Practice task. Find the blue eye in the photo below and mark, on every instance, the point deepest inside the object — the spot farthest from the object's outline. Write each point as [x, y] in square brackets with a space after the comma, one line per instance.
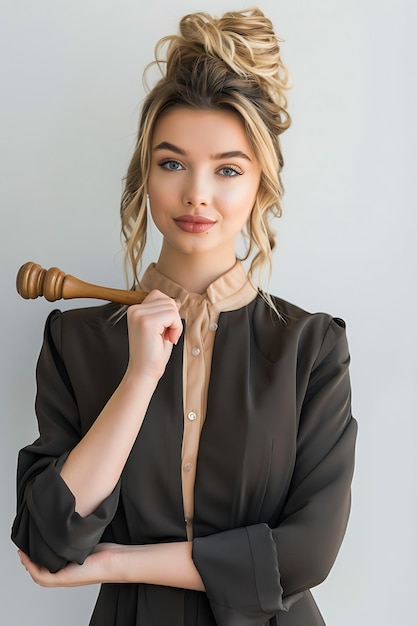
[229, 172]
[171, 165]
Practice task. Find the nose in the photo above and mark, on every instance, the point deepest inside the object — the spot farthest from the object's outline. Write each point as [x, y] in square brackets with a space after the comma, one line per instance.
[196, 191]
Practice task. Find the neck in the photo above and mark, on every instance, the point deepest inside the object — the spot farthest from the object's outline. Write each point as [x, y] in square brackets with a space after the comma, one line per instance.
[193, 272]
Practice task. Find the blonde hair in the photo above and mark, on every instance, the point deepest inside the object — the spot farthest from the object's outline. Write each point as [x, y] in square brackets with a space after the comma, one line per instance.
[228, 63]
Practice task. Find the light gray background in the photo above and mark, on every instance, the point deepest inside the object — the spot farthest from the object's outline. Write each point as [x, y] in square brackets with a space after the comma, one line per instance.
[71, 88]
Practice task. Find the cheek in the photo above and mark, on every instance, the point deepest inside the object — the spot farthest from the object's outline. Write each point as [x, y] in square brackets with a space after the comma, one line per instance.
[157, 212]
[156, 180]
[158, 195]
[152, 186]
[239, 201]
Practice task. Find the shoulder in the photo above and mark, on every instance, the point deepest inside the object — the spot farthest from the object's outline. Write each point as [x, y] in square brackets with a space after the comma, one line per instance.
[87, 326]
[101, 315]
[307, 333]
[291, 316]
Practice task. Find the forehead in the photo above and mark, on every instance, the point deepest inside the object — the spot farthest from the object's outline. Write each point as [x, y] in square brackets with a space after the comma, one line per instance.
[201, 130]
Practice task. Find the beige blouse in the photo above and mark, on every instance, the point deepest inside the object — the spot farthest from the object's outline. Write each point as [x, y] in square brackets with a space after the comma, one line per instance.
[200, 313]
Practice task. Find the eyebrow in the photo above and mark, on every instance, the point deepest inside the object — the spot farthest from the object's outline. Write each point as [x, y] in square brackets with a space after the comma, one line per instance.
[166, 145]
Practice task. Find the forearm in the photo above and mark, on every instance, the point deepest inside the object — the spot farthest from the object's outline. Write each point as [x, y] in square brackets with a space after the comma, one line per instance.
[167, 564]
[93, 467]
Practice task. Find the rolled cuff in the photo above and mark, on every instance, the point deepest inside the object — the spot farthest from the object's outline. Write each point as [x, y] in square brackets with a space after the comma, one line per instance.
[51, 507]
[240, 572]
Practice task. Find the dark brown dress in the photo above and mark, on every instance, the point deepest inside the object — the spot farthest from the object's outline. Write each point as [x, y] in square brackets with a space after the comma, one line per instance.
[275, 463]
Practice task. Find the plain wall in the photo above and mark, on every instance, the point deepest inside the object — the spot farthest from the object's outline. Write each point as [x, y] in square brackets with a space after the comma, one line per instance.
[71, 90]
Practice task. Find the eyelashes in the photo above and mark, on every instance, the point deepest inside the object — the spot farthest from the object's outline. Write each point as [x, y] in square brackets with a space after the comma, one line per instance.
[227, 171]
[171, 164]
[232, 171]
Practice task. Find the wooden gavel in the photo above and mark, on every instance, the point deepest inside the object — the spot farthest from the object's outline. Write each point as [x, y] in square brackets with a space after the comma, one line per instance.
[33, 281]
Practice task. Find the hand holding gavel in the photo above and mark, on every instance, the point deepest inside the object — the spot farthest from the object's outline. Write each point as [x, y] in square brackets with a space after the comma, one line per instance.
[33, 281]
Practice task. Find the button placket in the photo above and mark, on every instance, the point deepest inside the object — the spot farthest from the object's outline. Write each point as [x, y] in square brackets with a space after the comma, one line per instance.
[198, 346]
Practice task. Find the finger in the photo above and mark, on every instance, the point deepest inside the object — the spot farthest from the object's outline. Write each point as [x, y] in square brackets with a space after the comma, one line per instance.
[23, 558]
[161, 315]
[39, 574]
[153, 309]
[155, 295]
[173, 333]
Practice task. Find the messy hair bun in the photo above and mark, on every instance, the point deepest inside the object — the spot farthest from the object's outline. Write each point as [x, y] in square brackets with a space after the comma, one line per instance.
[245, 42]
[228, 63]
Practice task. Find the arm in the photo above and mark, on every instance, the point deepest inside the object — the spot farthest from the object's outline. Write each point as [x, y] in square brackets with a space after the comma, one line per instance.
[68, 485]
[94, 466]
[270, 566]
[168, 564]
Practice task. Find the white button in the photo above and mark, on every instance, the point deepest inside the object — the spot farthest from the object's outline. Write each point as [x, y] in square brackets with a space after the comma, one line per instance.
[188, 467]
[192, 416]
[195, 351]
[213, 326]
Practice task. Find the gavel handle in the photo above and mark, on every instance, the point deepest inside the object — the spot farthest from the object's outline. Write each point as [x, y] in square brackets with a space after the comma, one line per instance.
[33, 281]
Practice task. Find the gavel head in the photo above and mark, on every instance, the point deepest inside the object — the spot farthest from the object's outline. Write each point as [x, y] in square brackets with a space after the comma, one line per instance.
[29, 280]
[33, 281]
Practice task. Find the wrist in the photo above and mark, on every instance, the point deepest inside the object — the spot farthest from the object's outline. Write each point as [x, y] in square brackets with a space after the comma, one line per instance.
[120, 566]
[136, 382]
[148, 375]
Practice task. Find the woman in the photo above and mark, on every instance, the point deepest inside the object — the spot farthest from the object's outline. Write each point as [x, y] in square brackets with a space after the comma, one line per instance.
[196, 454]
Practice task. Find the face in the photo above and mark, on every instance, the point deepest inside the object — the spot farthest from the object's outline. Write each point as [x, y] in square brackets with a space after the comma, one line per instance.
[203, 180]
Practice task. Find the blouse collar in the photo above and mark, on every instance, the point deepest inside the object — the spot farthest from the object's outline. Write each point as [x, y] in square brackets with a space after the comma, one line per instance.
[229, 292]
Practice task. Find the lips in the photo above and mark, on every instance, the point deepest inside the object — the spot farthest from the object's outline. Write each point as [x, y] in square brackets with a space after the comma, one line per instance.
[194, 223]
